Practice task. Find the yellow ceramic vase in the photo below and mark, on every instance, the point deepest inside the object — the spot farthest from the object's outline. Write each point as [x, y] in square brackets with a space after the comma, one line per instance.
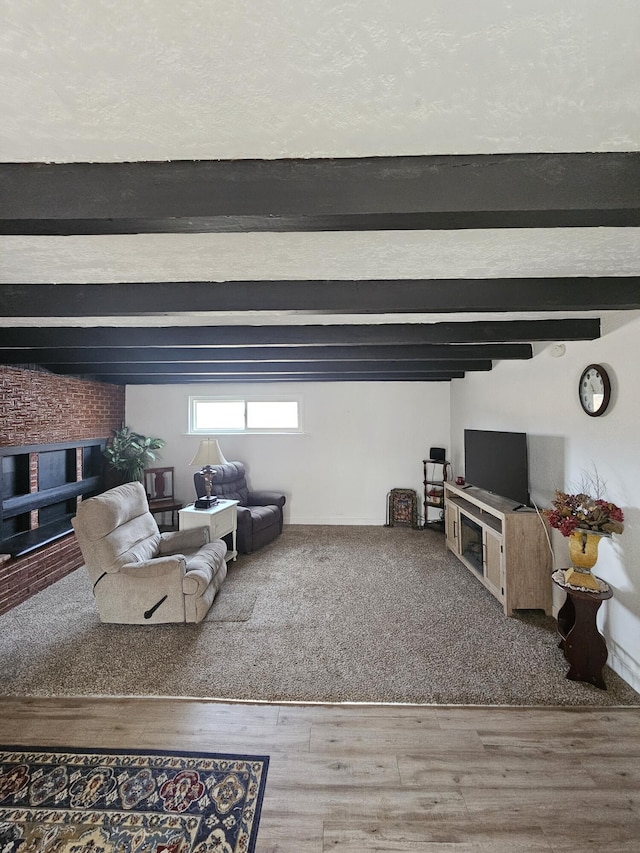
[583, 551]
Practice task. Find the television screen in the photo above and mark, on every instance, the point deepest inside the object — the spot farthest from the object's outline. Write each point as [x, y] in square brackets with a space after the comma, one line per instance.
[497, 462]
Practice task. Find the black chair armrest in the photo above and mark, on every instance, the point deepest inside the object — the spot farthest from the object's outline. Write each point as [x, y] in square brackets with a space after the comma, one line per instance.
[264, 498]
[244, 523]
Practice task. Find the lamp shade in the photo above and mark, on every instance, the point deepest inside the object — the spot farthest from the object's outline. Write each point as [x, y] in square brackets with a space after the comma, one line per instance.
[208, 453]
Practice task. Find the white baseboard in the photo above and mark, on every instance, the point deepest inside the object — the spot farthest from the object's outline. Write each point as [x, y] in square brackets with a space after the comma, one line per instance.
[338, 519]
[621, 662]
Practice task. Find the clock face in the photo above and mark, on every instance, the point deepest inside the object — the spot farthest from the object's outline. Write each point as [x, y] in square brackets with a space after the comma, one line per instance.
[594, 390]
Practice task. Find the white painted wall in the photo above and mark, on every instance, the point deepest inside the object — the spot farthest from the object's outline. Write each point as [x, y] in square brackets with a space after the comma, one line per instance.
[539, 397]
[360, 440]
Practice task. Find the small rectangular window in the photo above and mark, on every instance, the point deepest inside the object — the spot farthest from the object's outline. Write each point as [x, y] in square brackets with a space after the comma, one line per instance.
[272, 414]
[210, 414]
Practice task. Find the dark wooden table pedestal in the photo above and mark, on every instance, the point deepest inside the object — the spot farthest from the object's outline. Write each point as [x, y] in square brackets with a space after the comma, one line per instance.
[583, 645]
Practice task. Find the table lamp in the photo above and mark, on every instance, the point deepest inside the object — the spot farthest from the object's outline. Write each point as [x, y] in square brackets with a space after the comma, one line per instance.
[208, 455]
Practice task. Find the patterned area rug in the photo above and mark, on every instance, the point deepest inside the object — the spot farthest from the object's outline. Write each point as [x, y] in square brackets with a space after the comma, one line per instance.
[74, 801]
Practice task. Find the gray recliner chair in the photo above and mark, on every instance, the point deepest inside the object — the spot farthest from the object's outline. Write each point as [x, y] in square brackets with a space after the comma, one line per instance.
[142, 576]
[260, 513]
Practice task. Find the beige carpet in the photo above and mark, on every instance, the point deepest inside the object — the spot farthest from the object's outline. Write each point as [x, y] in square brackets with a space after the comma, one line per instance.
[232, 605]
[324, 614]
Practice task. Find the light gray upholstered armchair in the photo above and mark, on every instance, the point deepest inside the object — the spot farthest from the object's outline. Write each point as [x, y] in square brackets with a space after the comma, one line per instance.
[140, 575]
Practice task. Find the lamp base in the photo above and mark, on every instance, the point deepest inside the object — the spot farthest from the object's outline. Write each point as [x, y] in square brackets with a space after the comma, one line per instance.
[206, 502]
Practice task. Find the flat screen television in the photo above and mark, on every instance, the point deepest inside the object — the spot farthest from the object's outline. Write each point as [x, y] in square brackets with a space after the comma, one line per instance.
[497, 462]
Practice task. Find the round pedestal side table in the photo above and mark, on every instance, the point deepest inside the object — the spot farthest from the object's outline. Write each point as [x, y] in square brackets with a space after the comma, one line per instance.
[583, 645]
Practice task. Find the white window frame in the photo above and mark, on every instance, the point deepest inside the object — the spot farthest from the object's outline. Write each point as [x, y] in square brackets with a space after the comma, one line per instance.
[245, 398]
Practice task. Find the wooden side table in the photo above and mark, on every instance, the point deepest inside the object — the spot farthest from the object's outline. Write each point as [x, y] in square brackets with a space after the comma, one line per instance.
[221, 519]
[583, 645]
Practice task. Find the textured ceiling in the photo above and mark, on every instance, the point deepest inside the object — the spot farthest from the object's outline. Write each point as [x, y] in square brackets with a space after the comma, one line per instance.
[209, 79]
[113, 81]
[325, 255]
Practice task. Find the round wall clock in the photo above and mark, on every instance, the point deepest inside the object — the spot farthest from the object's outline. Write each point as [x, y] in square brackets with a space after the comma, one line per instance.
[594, 390]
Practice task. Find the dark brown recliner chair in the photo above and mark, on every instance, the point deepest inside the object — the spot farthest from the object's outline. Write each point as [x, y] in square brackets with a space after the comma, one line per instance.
[260, 515]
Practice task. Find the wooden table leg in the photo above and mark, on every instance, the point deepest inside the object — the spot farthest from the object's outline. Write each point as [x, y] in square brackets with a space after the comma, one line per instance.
[584, 645]
[566, 621]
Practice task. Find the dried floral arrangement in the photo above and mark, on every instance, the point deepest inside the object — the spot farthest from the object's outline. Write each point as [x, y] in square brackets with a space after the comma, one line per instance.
[586, 509]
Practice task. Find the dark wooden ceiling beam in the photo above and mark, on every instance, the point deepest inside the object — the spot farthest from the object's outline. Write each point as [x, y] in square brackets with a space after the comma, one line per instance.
[275, 368]
[371, 193]
[358, 297]
[478, 331]
[357, 222]
[221, 355]
[355, 376]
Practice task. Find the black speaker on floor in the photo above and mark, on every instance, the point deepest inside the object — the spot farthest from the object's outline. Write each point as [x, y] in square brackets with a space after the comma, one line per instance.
[437, 454]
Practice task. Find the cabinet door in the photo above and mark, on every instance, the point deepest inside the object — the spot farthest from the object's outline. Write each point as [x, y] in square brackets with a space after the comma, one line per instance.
[223, 522]
[493, 562]
[452, 522]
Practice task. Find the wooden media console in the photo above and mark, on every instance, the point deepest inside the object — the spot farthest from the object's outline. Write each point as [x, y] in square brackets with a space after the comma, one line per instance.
[505, 547]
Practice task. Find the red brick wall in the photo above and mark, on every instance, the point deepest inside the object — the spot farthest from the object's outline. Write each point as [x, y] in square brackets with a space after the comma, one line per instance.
[22, 577]
[40, 408]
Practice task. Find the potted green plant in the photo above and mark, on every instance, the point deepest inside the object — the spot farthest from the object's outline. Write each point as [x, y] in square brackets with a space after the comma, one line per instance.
[129, 453]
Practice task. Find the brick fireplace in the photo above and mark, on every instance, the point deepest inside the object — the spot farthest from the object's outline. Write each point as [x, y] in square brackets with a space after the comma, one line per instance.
[43, 408]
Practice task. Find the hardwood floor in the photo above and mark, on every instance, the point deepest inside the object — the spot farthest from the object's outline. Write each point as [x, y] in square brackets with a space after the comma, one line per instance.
[358, 779]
